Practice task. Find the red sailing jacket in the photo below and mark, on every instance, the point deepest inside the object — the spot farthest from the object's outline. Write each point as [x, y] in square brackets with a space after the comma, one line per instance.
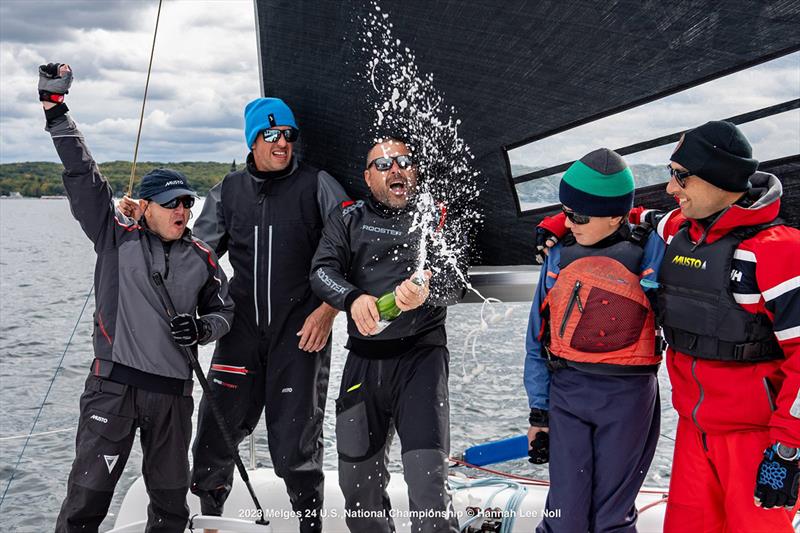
[729, 396]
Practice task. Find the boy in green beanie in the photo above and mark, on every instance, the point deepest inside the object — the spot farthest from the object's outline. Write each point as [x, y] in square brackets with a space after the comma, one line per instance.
[592, 354]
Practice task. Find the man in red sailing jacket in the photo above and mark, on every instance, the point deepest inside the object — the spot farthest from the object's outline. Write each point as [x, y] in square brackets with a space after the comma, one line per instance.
[730, 307]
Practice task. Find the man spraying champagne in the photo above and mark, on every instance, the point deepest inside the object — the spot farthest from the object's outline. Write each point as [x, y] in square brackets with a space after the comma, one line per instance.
[397, 368]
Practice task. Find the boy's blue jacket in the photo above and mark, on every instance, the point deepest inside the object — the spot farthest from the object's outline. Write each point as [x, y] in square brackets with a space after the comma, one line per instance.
[536, 374]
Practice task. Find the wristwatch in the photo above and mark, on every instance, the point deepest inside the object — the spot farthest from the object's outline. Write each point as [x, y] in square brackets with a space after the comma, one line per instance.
[787, 453]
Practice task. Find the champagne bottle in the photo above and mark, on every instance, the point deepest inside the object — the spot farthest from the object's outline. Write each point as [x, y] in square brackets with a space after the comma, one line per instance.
[387, 306]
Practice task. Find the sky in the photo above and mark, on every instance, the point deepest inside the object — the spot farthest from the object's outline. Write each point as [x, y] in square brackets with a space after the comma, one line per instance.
[205, 70]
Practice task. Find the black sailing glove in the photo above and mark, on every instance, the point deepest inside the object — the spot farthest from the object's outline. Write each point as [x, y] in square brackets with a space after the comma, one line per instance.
[545, 240]
[539, 453]
[188, 330]
[53, 86]
[777, 480]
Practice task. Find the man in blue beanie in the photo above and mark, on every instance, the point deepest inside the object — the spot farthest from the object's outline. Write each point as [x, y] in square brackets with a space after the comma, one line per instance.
[269, 218]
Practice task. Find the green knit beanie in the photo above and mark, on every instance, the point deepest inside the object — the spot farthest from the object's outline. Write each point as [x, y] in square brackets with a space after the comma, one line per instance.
[599, 184]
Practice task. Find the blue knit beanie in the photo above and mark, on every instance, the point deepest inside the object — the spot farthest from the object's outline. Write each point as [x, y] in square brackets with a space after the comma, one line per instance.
[600, 184]
[264, 113]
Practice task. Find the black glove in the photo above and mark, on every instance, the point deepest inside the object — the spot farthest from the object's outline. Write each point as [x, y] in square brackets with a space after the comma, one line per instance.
[777, 480]
[543, 237]
[539, 453]
[188, 330]
[52, 86]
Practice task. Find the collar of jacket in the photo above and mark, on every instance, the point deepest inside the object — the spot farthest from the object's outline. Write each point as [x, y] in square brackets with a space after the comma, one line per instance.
[386, 211]
[267, 176]
[760, 205]
[623, 233]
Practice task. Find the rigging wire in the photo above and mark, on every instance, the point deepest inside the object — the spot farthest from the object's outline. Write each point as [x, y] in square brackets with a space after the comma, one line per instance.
[46, 394]
[144, 101]
[91, 289]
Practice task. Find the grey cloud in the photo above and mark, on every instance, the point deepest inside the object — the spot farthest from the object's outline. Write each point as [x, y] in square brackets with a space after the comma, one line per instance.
[156, 91]
[52, 21]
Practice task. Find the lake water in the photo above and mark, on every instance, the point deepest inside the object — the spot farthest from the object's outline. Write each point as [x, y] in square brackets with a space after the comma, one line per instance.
[46, 268]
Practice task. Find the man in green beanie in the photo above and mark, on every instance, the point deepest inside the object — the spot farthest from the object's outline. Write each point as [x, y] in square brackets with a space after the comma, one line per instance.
[592, 354]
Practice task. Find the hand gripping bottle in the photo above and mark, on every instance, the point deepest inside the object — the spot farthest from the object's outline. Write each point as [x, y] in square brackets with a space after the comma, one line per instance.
[387, 307]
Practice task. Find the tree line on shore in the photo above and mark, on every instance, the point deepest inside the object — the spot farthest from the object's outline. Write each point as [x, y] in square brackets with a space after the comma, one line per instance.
[38, 178]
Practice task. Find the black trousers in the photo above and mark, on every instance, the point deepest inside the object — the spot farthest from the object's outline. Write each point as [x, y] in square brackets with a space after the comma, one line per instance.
[109, 415]
[248, 373]
[408, 393]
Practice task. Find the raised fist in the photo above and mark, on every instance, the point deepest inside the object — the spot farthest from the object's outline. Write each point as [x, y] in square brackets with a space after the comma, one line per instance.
[55, 80]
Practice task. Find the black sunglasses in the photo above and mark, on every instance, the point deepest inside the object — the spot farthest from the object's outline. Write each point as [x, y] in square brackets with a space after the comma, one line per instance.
[385, 163]
[187, 201]
[680, 177]
[576, 218]
[272, 135]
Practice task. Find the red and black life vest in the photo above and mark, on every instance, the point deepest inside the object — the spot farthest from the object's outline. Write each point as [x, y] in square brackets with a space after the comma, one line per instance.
[598, 311]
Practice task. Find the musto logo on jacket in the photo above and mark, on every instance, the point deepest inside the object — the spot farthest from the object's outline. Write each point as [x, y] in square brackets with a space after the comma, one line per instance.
[600, 314]
[691, 262]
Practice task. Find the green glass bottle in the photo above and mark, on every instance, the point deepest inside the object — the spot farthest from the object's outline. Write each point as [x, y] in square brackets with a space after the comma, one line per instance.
[387, 307]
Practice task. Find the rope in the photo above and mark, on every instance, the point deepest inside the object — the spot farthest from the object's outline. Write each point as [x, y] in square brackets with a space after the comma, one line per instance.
[144, 101]
[40, 434]
[49, 388]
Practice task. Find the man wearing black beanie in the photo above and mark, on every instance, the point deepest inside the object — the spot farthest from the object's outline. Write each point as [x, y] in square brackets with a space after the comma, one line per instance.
[730, 310]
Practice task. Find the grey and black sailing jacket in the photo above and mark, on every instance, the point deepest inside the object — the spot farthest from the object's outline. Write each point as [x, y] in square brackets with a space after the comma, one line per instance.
[270, 228]
[369, 248]
[131, 325]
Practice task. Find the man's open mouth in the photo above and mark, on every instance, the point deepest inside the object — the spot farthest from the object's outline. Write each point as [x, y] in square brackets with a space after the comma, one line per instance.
[398, 187]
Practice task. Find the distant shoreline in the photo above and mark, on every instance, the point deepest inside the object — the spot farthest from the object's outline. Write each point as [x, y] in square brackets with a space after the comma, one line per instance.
[39, 179]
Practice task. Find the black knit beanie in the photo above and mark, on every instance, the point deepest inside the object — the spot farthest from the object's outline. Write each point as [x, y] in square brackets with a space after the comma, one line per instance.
[719, 153]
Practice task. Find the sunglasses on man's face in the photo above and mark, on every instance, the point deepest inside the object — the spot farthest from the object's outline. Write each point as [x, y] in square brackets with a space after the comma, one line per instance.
[680, 176]
[385, 163]
[272, 135]
[187, 201]
[576, 218]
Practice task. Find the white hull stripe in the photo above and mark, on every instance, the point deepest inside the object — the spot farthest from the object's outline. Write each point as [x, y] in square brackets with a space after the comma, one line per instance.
[230, 369]
[786, 334]
[782, 288]
[746, 298]
[745, 255]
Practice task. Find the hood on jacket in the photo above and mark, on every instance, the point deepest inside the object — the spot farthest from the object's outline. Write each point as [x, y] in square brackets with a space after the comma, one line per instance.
[764, 199]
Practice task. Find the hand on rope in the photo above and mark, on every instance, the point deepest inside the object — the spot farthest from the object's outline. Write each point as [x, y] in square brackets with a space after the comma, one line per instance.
[188, 330]
[130, 208]
[55, 80]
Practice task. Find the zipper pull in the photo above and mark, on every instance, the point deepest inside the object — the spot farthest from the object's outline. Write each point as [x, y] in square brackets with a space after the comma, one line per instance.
[578, 286]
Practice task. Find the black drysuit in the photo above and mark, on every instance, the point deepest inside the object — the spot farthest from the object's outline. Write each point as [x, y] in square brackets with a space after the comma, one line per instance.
[396, 379]
[269, 224]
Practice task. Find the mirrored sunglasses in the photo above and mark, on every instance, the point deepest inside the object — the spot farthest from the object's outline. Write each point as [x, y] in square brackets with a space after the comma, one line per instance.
[272, 135]
[385, 163]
